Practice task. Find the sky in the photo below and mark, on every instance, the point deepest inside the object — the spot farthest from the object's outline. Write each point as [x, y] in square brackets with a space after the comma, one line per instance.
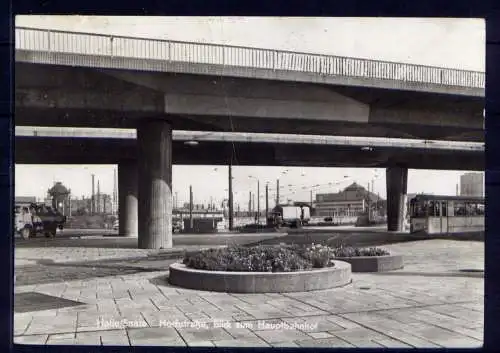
[454, 43]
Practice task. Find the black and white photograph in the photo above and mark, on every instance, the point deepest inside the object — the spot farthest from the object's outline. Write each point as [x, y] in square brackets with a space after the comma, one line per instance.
[249, 181]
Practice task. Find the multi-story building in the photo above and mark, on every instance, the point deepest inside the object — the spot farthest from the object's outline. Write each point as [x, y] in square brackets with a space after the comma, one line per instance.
[472, 184]
[354, 200]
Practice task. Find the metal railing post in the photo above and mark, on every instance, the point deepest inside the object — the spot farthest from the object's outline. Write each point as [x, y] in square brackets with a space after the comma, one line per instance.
[111, 39]
[65, 41]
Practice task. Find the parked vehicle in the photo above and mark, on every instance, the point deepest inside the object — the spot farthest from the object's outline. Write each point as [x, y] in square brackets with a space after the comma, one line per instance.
[23, 224]
[36, 219]
[50, 219]
[306, 214]
[439, 215]
[288, 216]
[176, 225]
[28, 223]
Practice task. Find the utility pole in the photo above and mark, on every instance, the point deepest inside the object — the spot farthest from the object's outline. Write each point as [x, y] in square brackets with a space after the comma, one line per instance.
[190, 207]
[115, 193]
[253, 205]
[311, 199]
[69, 204]
[98, 197]
[368, 202]
[230, 198]
[258, 201]
[250, 204]
[277, 192]
[92, 198]
[267, 200]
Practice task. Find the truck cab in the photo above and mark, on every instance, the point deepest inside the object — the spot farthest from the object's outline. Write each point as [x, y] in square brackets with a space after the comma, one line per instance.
[23, 223]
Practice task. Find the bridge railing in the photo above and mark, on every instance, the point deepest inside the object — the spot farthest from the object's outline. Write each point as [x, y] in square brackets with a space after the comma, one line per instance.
[54, 41]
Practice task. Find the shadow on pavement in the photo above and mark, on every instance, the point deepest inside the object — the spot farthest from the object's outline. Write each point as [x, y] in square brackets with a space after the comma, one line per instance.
[337, 238]
[162, 281]
[132, 243]
[52, 272]
[431, 274]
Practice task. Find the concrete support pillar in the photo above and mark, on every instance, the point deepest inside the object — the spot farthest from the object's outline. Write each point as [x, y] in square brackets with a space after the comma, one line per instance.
[397, 183]
[127, 199]
[154, 141]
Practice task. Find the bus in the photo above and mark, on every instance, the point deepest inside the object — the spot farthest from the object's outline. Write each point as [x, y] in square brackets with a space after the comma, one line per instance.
[432, 214]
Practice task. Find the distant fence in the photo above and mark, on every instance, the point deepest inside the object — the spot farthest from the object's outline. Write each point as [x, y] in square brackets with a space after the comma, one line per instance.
[54, 41]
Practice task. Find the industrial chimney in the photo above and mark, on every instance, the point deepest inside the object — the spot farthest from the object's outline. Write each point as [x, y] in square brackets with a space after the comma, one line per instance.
[98, 198]
[92, 198]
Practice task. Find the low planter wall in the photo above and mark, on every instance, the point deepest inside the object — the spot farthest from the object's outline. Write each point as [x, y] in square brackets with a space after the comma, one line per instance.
[261, 282]
[374, 263]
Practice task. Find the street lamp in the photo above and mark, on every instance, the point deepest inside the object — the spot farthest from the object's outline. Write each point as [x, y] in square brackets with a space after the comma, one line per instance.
[278, 186]
[258, 198]
[191, 143]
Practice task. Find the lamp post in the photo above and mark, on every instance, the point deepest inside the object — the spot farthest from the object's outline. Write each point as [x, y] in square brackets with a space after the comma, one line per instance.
[258, 198]
[278, 186]
[230, 196]
[267, 200]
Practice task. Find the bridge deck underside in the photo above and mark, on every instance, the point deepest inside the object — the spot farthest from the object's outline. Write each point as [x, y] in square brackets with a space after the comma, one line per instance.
[40, 150]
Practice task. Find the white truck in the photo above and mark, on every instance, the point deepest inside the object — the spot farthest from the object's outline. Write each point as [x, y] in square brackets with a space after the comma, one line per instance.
[306, 214]
[290, 216]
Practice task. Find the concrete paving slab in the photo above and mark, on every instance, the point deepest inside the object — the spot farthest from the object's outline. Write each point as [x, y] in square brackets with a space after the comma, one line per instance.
[424, 305]
[143, 336]
[197, 334]
[114, 338]
[280, 335]
[31, 339]
[245, 342]
[325, 343]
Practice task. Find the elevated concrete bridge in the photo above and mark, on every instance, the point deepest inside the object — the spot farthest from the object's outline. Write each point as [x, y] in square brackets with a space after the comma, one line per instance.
[39, 145]
[93, 80]
[154, 86]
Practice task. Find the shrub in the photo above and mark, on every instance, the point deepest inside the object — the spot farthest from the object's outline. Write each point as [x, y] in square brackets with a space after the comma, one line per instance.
[284, 258]
[319, 255]
[348, 251]
[250, 259]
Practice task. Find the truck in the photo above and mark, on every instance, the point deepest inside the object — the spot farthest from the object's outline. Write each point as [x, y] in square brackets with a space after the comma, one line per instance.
[289, 216]
[37, 219]
[306, 214]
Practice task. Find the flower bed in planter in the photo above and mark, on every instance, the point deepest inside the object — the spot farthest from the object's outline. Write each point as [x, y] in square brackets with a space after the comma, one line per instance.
[260, 269]
[369, 259]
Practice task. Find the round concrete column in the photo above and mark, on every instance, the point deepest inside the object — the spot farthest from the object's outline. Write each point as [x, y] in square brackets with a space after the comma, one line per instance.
[396, 179]
[127, 199]
[154, 142]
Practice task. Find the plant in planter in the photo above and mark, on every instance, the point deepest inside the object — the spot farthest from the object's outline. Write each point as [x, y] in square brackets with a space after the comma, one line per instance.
[319, 255]
[348, 251]
[369, 259]
[248, 259]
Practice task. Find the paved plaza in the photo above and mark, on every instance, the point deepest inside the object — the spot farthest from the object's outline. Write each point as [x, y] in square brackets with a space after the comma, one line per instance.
[435, 301]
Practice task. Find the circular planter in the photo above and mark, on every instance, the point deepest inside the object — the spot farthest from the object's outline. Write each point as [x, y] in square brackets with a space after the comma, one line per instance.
[374, 263]
[261, 282]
